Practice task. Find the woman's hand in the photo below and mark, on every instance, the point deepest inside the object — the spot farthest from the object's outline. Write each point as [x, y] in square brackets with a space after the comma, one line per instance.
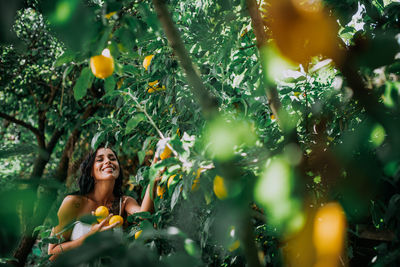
[100, 227]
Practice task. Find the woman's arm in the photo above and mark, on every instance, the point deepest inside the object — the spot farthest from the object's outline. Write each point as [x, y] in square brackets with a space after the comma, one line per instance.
[67, 213]
[57, 249]
[131, 205]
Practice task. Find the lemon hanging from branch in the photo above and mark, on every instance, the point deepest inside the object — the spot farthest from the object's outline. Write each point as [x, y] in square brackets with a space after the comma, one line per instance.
[138, 233]
[302, 29]
[220, 187]
[329, 231]
[166, 153]
[102, 66]
[147, 61]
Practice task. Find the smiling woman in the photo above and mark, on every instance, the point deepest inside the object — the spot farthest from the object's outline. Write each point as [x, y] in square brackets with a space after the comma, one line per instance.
[99, 185]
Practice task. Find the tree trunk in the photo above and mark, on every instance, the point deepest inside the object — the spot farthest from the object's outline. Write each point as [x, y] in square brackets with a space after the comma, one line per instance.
[46, 196]
[262, 38]
[207, 102]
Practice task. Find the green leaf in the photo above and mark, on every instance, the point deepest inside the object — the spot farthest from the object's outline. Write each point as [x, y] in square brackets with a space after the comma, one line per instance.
[109, 84]
[66, 57]
[97, 138]
[89, 121]
[190, 247]
[175, 195]
[103, 40]
[141, 155]
[132, 123]
[82, 84]
[143, 215]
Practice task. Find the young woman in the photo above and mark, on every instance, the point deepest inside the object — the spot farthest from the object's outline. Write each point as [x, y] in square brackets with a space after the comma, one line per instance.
[99, 185]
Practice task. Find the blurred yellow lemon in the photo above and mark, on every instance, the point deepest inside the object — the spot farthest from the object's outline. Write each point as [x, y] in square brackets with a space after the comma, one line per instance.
[147, 61]
[101, 213]
[170, 180]
[301, 29]
[120, 83]
[166, 153]
[219, 187]
[160, 191]
[234, 246]
[138, 233]
[102, 66]
[195, 185]
[153, 83]
[116, 218]
[196, 181]
[329, 230]
[109, 15]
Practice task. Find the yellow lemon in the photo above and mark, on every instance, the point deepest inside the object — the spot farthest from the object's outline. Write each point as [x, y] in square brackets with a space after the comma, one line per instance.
[160, 191]
[302, 29]
[102, 66]
[196, 185]
[196, 181]
[166, 153]
[219, 187]
[109, 15]
[116, 218]
[329, 230]
[234, 246]
[199, 170]
[101, 213]
[150, 90]
[170, 180]
[153, 83]
[120, 83]
[147, 61]
[138, 233]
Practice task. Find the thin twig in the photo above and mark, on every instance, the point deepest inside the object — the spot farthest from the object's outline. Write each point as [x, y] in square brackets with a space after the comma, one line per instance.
[143, 109]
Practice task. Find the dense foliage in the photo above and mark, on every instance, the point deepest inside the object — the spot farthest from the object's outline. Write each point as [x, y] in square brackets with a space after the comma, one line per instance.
[245, 182]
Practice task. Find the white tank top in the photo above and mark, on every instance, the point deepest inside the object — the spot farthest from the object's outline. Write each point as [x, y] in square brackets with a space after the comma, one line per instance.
[81, 228]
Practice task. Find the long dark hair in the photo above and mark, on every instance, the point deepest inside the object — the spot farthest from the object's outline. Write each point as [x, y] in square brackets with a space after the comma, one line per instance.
[86, 181]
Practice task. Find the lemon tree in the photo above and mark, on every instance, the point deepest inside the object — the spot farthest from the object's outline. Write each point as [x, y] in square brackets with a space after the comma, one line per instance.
[243, 172]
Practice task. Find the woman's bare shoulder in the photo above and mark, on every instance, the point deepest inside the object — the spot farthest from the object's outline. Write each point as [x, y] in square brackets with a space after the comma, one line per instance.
[71, 204]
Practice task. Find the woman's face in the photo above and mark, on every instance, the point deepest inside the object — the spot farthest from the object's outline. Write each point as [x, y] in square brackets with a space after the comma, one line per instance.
[105, 165]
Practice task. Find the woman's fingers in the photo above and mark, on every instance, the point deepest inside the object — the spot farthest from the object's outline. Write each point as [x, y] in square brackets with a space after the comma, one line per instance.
[110, 226]
[103, 222]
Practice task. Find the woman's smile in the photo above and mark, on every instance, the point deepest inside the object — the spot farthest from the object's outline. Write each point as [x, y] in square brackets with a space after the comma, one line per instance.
[105, 165]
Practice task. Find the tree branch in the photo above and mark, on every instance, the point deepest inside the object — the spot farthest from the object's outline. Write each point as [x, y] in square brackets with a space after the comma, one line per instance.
[47, 195]
[262, 38]
[54, 139]
[207, 102]
[209, 108]
[42, 123]
[34, 130]
[54, 90]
